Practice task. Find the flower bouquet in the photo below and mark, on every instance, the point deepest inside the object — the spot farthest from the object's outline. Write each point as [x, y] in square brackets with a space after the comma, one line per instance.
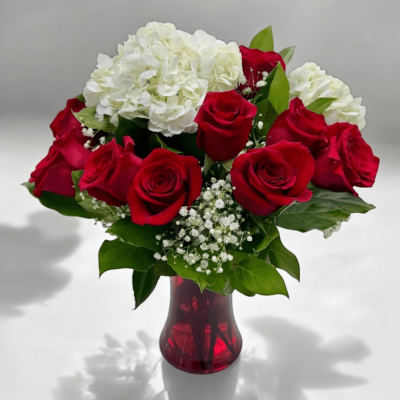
[192, 152]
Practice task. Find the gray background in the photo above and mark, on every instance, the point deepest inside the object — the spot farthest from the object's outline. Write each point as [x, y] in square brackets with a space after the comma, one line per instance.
[66, 335]
[49, 47]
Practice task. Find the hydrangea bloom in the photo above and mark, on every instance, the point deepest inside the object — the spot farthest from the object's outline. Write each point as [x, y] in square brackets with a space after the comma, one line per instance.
[163, 74]
[309, 82]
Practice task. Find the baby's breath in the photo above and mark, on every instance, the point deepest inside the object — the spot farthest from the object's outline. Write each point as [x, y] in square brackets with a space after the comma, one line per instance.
[208, 231]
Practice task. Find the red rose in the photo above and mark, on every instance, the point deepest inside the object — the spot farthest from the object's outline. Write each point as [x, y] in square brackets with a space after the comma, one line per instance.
[299, 125]
[254, 63]
[165, 183]
[65, 121]
[109, 172]
[347, 161]
[225, 121]
[268, 178]
[53, 173]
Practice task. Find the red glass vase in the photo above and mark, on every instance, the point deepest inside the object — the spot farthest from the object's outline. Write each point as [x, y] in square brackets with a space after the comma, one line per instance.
[200, 335]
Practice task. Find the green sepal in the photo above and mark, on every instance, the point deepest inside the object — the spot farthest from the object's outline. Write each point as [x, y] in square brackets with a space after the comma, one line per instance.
[87, 116]
[324, 210]
[143, 284]
[287, 54]
[163, 269]
[81, 98]
[64, 205]
[320, 105]
[138, 235]
[164, 146]
[114, 254]
[259, 277]
[228, 164]
[264, 40]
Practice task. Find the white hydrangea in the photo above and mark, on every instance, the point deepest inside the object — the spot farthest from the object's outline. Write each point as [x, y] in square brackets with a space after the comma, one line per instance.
[309, 82]
[163, 74]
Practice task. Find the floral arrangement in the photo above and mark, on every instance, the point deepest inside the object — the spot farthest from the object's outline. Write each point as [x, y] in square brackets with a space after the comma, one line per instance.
[192, 152]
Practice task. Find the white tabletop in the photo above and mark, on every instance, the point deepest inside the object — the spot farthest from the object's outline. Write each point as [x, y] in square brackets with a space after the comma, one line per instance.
[66, 335]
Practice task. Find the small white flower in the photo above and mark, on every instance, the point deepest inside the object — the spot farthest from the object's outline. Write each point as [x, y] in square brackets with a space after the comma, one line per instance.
[230, 257]
[204, 264]
[249, 239]
[204, 247]
[166, 243]
[158, 237]
[246, 91]
[202, 238]
[207, 195]
[187, 239]
[219, 204]
[260, 125]
[157, 256]
[214, 259]
[208, 272]
[198, 269]
[183, 211]
[208, 224]
[220, 270]
[164, 258]
[206, 255]
[194, 232]
[261, 83]
[192, 212]
[249, 143]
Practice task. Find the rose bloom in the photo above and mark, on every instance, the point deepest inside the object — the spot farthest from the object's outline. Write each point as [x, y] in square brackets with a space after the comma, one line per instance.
[224, 123]
[109, 172]
[270, 177]
[254, 63]
[299, 125]
[164, 184]
[347, 161]
[67, 154]
[65, 119]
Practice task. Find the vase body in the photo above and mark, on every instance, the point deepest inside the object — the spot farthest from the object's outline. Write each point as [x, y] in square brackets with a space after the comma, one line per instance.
[200, 335]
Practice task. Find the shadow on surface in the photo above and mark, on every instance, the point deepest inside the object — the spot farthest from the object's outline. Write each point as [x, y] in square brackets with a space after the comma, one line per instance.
[297, 359]
[29, 257]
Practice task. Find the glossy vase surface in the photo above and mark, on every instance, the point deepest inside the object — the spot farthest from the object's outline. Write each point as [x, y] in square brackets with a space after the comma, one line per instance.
[200, 335]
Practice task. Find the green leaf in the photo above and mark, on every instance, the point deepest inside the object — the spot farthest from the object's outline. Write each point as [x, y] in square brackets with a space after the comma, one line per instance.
[280, 257]
[188, 142]
[181, 267]
[259, 277]
[81, 98]
[102, 212]
[269, 232]
[268, 117]
[228, 164]
[223, 281]
[320, 105]
[137, 235]
[208, 163]
[62, 204]
[324, 210]
[162, 268]
[237, 284]
[87, 116]
[279, 91]
[117, 255]
[264, 40]
[263, 93]
[143, 285]
[130, 127]
[287, 54]
[164, 146]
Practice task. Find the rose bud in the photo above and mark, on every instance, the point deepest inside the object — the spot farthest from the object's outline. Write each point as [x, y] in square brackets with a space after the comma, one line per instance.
[65, 121]
[109, 172]
[270, 177]
[299, 125]
[254, 63]
[165, 183]
[347, 161]
[225, 121]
